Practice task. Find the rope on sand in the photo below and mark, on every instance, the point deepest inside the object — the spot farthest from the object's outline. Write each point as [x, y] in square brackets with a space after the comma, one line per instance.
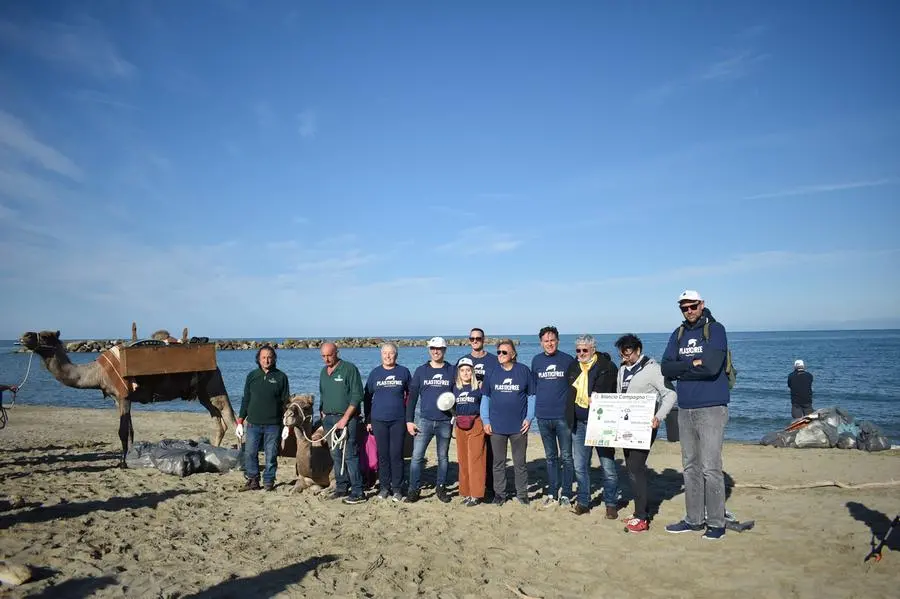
[816, 485]
[519, 593]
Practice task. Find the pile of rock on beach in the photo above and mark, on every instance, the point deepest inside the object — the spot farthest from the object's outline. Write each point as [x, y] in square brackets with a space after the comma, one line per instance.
[98, 345]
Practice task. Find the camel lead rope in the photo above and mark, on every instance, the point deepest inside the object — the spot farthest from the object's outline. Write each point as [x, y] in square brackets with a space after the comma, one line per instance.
[4, 416]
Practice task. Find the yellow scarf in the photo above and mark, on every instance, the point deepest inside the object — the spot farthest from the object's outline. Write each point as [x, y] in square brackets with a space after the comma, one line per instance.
[582, 396]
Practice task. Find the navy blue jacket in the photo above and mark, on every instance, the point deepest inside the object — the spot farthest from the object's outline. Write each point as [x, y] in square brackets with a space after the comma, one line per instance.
[700, 386]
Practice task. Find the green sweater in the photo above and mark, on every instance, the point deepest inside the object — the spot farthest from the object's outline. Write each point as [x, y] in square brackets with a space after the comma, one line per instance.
[265, 396]
[340, 389]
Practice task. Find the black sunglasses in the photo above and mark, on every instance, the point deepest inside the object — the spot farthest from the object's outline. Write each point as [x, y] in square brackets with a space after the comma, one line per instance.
[582, 351]
[689, 307]
[476, 338]
[502, 352]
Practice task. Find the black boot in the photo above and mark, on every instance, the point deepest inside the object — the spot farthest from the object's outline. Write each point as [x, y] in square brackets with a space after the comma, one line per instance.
[442, 496]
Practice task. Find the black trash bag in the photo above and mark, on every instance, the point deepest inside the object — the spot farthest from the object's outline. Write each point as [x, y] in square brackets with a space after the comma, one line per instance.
[834, 416]
[180, 462]
[870, 437]
[779, 439]
[139, 456]
[219, 459]
[846, 441]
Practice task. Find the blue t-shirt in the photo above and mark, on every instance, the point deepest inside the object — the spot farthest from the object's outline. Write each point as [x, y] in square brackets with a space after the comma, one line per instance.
[429, 382]
[468, 402]
[550, 388]
[484, 364]
[386, 390]
[508, 391]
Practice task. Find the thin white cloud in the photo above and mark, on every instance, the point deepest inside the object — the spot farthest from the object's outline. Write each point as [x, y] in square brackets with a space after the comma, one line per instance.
[817, 189]
[15, 136]
[733, 67]
[92, 96]
[82, 46]
[307, 124]
[480, 240]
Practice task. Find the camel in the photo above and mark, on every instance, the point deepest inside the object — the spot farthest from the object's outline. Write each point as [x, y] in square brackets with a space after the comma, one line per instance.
[206, 386]
[314, 466]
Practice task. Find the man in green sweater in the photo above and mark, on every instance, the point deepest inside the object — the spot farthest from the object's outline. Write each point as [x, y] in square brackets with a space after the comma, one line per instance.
[266, 394]
[341, 392]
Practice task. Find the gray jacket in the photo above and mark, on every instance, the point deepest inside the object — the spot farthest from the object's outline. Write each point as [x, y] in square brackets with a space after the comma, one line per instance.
[649, 379]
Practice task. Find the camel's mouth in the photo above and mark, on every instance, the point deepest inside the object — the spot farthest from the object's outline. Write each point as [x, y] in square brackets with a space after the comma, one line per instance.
[29, 340]
[45, 340]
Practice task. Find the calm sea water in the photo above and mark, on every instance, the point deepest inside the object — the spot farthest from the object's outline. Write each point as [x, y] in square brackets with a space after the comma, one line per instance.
[856, 370]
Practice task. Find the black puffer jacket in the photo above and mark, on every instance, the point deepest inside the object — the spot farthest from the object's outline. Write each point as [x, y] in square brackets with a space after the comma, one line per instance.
[601, 379]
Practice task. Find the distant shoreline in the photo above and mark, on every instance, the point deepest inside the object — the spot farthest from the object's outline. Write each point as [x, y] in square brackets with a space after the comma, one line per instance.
[98, 345]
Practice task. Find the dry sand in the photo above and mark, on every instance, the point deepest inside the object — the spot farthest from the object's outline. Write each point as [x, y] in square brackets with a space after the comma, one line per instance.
[89, 529]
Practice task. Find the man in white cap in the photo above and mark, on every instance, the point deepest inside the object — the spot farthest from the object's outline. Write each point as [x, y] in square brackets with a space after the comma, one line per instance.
[695, 359]
[800, 383]
[430, 380]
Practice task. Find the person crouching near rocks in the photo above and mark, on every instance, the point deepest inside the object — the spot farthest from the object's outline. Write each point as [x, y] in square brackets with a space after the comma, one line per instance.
[507, 409]
[592, 372]
[640, 374]
[471, 449]
[385, 397]
[266, 395]
[430, 380]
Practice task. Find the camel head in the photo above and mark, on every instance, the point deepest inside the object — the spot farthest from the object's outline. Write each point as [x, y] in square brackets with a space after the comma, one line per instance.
[299, 411]
[43, 343]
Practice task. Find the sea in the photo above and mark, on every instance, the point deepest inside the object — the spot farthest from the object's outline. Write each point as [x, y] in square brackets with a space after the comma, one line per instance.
[854, 370]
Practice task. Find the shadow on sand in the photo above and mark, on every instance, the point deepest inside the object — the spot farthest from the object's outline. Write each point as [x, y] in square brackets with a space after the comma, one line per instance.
[266, 584]
[878, 523]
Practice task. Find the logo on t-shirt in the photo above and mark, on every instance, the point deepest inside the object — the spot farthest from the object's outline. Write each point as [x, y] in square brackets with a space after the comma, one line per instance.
[464, 398]
[389, 381]
[437, 380]
[691, 349]
[338, 379]
[551, 373]
[507, 386]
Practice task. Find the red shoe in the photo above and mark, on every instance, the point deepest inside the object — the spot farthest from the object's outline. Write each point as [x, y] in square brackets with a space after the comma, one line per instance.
[637, 525]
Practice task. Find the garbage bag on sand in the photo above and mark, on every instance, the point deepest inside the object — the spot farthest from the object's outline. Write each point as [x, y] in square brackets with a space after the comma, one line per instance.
[181, 458]
[828, 427]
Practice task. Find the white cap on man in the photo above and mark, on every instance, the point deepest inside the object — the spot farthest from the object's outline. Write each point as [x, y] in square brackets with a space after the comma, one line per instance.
[799, 365]
[437, 342]
[689, 295]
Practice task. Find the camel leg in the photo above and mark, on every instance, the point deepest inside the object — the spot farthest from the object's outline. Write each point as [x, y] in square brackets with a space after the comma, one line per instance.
[226, 415]
[125, 428]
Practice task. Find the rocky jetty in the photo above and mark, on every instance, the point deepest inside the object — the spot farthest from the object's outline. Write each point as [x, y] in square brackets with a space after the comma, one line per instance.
[98, 345]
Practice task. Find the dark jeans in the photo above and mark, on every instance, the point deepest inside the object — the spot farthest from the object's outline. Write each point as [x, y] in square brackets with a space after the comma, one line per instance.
[800, 411]
[268, 435]
[636, 463]
[350, 479]
[557, 440]
[582, 455]
[389, 437]
[429, 429]
[519, 444]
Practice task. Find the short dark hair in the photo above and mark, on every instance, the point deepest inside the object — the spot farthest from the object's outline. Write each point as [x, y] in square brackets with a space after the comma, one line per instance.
[477, 329]
[630, 342]
[545, 330]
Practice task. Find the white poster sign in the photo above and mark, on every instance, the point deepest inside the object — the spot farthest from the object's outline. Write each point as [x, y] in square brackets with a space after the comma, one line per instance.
[620, 420]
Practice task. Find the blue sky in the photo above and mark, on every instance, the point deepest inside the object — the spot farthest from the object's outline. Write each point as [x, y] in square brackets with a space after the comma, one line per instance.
[410, 168]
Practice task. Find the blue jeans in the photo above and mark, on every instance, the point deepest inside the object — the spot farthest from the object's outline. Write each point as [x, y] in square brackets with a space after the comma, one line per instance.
[350, 479]
[557, 440]
[582, 457]
[389, 436]
[269, 435]
[427, 430]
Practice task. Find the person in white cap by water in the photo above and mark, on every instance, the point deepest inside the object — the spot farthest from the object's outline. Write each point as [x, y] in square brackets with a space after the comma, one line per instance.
[430, 380]
[695, 359]
[800, 383]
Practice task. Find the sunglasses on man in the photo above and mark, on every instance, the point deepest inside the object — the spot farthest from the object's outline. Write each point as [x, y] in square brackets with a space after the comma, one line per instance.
[690, 307]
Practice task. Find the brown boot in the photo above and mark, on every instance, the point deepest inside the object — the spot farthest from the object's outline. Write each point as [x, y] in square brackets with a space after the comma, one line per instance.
[579, 509]
[611, 512]
[252, 484]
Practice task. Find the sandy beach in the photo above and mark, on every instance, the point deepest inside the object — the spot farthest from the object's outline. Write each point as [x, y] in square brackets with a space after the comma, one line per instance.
[91, 530]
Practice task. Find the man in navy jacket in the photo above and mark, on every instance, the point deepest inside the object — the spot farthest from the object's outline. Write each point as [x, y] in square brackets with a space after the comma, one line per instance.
[695, 358]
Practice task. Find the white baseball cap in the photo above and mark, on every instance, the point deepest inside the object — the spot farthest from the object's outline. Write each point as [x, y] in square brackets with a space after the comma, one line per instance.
[689, 295]
[799, 364]
[465, 362]
[437, 342]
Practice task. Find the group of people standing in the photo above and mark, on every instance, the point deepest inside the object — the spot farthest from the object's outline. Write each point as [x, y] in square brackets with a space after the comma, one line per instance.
[495, 401]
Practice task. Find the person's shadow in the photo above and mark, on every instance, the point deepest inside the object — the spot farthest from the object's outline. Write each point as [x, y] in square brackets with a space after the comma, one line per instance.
[266, 584]
[878, 524]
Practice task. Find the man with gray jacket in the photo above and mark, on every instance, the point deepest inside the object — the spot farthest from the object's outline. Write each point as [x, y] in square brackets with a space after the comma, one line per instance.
[640, 374]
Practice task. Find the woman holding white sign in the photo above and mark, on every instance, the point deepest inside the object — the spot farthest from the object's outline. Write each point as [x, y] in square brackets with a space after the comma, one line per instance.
[640, 374]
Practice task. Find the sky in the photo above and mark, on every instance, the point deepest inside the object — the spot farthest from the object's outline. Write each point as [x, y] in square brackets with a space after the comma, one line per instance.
[313, 169]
